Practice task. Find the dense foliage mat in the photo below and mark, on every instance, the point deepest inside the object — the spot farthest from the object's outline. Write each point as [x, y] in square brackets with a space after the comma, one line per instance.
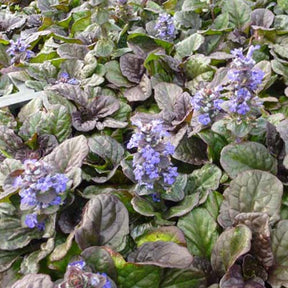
[155, 151]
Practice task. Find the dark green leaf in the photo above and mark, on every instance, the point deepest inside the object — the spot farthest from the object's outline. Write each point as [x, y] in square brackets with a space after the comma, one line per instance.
[231, 244]
[200, 230]
[239, 12]
[100, 260]
[251, 191]
[104, 47]
[69, 154]
[189, 45]
[183, 207]
[236, 158]
[12, 234]
[105, 222]
[203, 180]
[109, 150]
[115, 76]
[183, 278]
[30, 263]
[278, 274]
[162, 254]
[132, 275]
[191, 150]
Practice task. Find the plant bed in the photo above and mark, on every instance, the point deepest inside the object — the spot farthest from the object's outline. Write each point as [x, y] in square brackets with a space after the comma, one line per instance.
[143, 144]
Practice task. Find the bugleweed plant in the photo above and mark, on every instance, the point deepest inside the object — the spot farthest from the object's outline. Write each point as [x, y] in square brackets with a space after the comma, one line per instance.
[154, 151]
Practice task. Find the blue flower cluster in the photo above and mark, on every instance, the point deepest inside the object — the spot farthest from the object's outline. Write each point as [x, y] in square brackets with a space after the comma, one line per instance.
[207, 103]
[87, 279]
[39, 189]
[64, 77]
[165, 27]
[245, 80]
[19, 48]
[152, 161]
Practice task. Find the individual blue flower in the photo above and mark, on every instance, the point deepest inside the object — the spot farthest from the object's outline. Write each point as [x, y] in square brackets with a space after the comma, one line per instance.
[31, 220]
[165, 27]
[107, 283]
[64, 77]
[204, 119]
[79, 264]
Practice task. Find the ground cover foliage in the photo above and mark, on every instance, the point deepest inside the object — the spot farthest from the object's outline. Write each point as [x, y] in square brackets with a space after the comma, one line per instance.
[155, 154]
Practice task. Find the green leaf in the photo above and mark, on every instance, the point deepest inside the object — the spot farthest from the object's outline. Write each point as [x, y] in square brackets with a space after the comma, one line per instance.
[109, 150]
[183, 207]
[72, 51]
[176, 191]
[12, 234]
[278, 274]
[143, 206]
[239, 12]
[167, 234]
[231, 244]
[162, 254]
[200, 230]
[68, 155]
[236, 158]
[115, 76]
[251, 191]
[55, 120]
[4, 58]
[197, 65]
[99, 259]
[42, 71]
[132, 275]
[105, 222]
[30, 263]
[7, 258]
[194, 5]
[215, 143]
[104, 47]
[189, 45]
[203, 180]
[191, 150]
[166, 95]
[283, 4]
[183, 278]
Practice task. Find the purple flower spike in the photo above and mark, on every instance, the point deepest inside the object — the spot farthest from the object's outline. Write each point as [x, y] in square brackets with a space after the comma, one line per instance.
[152, 161]
[165, 27]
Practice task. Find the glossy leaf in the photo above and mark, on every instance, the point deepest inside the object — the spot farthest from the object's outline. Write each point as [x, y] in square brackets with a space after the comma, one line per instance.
[162, 254]
[105, 222]
[200, 230]
[236, 158]
[69, 154]
[231, 244]
[251, 191]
